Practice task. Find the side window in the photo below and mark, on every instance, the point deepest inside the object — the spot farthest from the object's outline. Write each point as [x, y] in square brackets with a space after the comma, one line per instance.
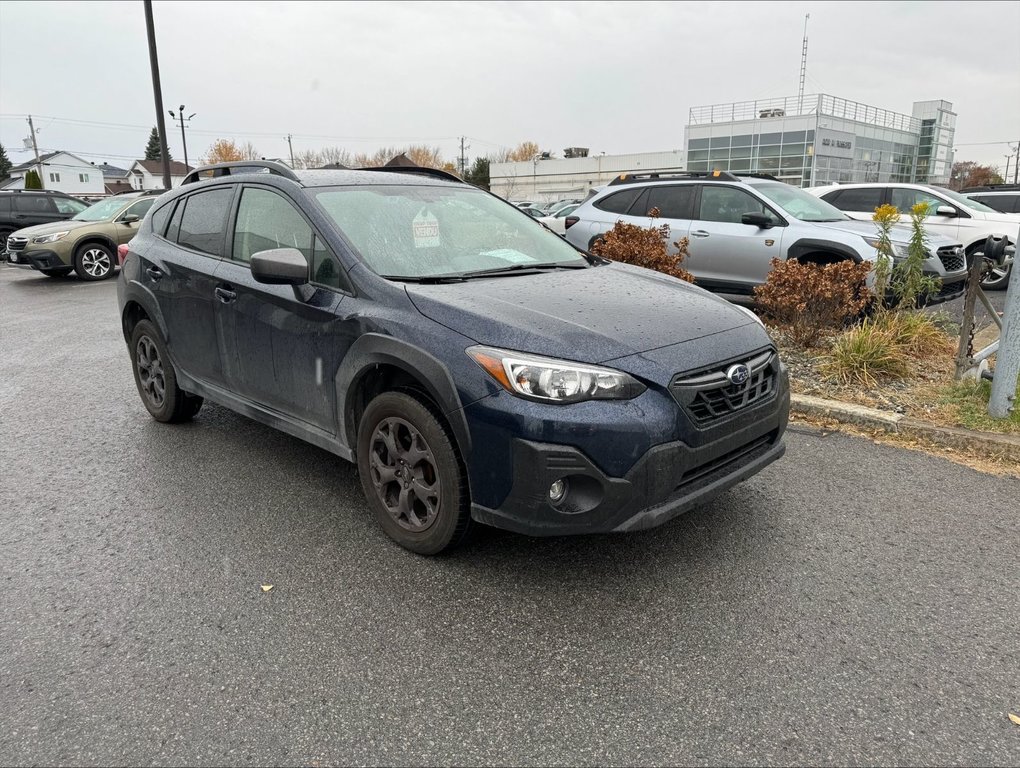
[204, 220]
[64, 205]
[865, 199]
[34, 204]
[159, 218]
[140, 208]
[727, 204]
[5, 203]
[175, 223]
[673, 202]
[326, 270]
[266, 220]
[620, 202]
[905, 199]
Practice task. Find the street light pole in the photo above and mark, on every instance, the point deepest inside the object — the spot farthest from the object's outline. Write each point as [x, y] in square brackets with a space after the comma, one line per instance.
[157, 92]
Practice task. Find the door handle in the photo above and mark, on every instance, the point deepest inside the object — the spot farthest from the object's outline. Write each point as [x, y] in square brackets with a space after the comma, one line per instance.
[224, 294]
[154, 272]
[699, 233]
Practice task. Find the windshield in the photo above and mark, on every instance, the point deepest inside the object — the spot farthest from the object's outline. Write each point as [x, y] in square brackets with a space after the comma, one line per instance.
[429, 231]
[101, 211]
[974, 205]
[800, 204]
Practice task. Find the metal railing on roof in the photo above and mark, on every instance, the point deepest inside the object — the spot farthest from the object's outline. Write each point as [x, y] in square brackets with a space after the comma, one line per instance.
[809, 104]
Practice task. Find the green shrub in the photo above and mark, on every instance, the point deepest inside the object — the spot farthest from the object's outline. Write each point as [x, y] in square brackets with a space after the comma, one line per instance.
[866, 355]
[917, 333]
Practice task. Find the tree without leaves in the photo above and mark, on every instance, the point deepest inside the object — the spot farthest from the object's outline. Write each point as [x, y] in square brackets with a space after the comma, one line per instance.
[249, 151]
[152, 149]
[308, 158]
[970, 174]
[5, 163]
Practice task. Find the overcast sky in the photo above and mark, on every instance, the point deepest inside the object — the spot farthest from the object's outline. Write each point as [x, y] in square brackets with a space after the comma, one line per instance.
[616, 77]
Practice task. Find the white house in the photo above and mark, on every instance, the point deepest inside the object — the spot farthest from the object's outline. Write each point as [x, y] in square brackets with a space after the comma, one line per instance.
[148, 174]
[60, 171]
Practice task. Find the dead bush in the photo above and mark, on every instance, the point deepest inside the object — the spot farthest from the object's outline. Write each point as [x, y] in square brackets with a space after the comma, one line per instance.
[810, 300]
[644, 247]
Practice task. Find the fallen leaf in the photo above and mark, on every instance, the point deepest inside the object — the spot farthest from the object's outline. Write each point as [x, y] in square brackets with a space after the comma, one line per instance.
[1014, 718]
[266, 587]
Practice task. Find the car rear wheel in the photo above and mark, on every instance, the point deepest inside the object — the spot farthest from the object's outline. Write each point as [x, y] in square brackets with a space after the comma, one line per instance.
[997, 278]
[411, 475]
[57, 272]
[156, 379]
[94, 261]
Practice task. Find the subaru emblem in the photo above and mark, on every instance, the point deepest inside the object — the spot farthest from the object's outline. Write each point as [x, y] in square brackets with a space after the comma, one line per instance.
[738, 374]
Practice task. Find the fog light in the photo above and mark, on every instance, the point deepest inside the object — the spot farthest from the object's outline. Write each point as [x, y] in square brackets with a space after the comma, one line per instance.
[557, 491]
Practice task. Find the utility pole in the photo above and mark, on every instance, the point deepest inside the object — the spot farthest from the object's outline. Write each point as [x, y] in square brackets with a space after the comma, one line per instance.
[463, 161]
[183, 119]
[1016, 167]
[35, 148]
[291, 151]
[157, 93]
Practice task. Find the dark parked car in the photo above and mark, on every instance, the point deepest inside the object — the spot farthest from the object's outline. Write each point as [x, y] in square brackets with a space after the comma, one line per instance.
[21, 208]
[473, 364]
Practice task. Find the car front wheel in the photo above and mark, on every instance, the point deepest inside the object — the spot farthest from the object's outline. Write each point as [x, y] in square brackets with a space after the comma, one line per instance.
[94, 261]
[411, 475]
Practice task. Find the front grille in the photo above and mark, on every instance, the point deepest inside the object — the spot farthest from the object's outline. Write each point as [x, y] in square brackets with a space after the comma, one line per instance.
[729, 462]
[952, 258]
[709, 395]
[16, 243]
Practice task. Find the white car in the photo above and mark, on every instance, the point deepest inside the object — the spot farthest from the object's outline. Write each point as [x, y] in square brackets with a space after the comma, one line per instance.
[951, 214]
[556, 221]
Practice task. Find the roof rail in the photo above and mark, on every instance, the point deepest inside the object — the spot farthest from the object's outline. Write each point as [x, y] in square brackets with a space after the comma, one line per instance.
[634, 178]
[420, 171]
[993, 188]
[240, 166]
[41, 191]
[768, 176]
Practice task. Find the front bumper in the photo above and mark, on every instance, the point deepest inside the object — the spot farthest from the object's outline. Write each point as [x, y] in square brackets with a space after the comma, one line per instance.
[37, 259]
[667, 480]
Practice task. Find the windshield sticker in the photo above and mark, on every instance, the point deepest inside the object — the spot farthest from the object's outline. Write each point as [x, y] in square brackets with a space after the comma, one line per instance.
[509, 254]
[425, 228]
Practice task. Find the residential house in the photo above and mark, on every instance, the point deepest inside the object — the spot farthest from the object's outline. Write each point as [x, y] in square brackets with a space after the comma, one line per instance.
[115, 179]
[148, 174]
[60, 171]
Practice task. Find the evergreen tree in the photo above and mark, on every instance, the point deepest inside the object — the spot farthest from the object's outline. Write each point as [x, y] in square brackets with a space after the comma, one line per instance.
[32, 180]
[5, 164]
[152, 148]
[478, 173]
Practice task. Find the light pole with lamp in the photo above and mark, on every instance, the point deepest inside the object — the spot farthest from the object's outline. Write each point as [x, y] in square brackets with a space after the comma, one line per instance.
[180, 116]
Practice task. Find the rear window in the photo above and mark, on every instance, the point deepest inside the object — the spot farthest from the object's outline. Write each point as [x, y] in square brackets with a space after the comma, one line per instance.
[1001, 203]
[864, 199]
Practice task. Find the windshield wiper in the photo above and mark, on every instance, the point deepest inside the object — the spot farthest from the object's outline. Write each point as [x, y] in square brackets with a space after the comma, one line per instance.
[518, 268]
[426, 279]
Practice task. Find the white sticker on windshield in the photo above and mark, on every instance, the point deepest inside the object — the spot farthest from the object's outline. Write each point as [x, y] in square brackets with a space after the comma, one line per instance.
[425, 228]
[509, 254]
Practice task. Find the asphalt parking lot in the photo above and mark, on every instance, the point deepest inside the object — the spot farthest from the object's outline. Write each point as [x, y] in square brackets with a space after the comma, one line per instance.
[854, 603]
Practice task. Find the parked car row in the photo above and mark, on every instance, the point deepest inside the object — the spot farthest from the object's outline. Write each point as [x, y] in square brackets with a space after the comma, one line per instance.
[736, 225]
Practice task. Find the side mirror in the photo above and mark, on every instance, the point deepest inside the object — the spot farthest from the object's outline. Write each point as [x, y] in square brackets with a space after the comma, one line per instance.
[279, 266]
[130, 218]
[759, 220]
[945, 210]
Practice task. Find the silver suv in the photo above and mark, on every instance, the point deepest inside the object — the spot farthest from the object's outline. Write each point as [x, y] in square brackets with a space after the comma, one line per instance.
[737, 225]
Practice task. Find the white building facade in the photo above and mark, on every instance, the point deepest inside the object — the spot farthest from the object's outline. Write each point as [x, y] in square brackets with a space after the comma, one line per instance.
[148, 174]
[820, 139]
[570, 178]
[62, 172]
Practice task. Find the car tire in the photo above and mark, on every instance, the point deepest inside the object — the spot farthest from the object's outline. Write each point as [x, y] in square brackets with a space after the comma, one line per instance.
[997, 279]
[94, 261]
[411, 474]
[58, 272]
[156, 379]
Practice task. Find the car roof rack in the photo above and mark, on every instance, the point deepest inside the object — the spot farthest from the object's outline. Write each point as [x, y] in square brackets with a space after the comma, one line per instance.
[419, 171]
[635, 178]
[39, 191]
[139, 192]
[240, 166]
[767, 176]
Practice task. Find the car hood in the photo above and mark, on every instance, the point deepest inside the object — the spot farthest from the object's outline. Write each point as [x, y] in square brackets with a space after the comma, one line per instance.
[898, 233]
[55, 226]
[586, 315]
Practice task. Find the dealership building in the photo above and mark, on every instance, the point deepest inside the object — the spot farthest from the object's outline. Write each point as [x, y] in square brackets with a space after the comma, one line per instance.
[802, 140]
[819, 139]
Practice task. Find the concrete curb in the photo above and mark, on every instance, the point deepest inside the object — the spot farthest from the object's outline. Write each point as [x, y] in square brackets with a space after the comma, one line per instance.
[977, 443]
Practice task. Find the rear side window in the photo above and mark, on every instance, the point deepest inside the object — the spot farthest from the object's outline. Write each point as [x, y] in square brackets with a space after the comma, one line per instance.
[34, 204]
[160, 217]
[203, 222]
[619, 203]
[5, 203]
[673, 202]
[1001, 203]
[864, 199]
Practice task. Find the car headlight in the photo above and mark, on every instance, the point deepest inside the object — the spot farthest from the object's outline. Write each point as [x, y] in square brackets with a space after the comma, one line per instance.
[900, 250]
[50, 238]
[554, 381]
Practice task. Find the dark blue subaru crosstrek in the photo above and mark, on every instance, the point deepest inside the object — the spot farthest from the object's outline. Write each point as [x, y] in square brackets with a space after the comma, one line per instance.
[475, 365]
